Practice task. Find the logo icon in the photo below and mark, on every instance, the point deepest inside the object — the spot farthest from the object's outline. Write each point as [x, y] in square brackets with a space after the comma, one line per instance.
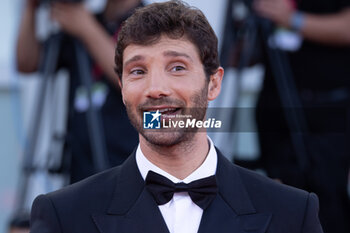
[151, 120]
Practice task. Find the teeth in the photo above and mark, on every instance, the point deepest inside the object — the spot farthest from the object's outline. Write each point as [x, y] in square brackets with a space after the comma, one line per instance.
[166, 110]
[162, 110]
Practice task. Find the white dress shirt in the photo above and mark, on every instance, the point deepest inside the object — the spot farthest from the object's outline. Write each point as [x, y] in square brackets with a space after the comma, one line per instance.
[181, 214]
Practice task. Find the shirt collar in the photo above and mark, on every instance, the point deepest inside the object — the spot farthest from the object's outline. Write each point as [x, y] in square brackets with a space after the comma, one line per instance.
[207, 168]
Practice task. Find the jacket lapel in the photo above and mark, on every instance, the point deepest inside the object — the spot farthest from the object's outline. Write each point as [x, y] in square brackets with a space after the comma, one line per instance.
[132, 209]
[232, 209]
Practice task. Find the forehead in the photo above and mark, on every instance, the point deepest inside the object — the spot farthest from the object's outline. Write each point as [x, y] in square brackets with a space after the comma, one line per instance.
[161, 48]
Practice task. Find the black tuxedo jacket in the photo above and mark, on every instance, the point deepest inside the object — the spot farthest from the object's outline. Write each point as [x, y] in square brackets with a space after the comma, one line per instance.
[116, 201]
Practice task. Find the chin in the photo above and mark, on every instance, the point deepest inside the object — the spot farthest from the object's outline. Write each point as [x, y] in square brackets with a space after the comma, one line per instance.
[165, 139]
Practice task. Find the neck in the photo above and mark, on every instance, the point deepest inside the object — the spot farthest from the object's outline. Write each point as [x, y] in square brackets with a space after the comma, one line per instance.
[181, 159]
[114, 10]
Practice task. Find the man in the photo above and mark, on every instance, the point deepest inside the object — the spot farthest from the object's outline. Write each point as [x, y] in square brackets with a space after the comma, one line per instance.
[166, 58]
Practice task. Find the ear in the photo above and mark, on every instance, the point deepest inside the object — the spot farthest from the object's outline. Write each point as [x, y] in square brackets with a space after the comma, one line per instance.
[120, 83]
[214, 86]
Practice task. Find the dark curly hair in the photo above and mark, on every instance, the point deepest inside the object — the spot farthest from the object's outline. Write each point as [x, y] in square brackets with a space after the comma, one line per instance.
[174, 19]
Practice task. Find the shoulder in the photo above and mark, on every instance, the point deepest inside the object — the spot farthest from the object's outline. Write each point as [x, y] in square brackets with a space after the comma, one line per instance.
[83, 194]
[92, 187]
[260, 185]
[286, 203]
[260, 189]
[70, 206]
[267, 193]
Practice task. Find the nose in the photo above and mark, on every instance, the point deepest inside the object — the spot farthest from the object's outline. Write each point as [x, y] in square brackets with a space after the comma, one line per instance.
[157, 85]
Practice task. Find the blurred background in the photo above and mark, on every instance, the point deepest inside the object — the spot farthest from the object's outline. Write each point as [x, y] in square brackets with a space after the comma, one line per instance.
[270, 131]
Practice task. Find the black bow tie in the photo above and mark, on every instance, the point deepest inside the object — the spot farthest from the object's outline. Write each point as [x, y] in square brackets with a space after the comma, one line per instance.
[201, 191]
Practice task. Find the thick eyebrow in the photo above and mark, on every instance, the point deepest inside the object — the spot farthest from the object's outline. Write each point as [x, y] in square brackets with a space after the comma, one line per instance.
[171, 53]
[134, 59]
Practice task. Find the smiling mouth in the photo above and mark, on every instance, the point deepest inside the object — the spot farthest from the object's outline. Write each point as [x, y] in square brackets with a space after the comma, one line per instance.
[169, 112]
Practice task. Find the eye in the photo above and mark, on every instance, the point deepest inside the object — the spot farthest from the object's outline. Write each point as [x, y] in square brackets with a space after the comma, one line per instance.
[137, 72]
[177, 68]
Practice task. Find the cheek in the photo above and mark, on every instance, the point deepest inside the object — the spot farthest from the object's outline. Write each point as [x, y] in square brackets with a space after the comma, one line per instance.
[186, 88]
[131, 94]
[128, 97]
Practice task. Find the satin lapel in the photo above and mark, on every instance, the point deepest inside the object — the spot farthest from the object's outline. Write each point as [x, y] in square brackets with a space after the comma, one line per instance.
[144, 216]
[220, 217]
[132, 208]
[232, 209]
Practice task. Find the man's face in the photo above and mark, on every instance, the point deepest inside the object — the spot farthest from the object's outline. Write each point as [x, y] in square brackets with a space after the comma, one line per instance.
[167, 76]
